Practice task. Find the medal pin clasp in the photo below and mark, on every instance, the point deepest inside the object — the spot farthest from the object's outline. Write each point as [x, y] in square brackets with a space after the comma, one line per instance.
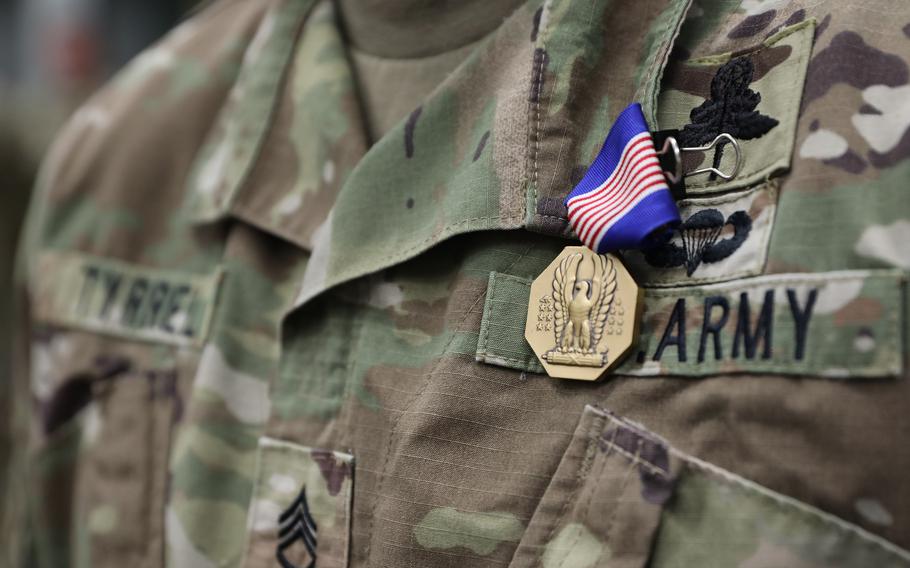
[672, 146]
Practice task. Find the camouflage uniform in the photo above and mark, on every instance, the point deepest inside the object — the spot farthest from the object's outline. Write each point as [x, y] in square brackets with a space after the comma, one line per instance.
[270, 318]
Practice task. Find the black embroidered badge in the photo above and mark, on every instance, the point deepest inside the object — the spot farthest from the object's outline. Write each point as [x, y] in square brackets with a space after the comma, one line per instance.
[699, 236]
[730, 109]
[296, 524]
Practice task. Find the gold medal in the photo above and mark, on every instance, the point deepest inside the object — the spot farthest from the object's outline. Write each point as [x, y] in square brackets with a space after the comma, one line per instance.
[583, 314]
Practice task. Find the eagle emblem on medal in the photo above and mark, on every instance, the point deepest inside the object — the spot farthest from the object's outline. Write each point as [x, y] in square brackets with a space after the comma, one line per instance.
[583, 314]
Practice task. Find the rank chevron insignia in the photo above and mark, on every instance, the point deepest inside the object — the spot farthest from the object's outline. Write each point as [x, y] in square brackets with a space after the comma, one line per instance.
[296, 524]
[623, 198]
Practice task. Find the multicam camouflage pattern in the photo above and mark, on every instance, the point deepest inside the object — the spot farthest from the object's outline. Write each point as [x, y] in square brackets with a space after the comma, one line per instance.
[342, 349]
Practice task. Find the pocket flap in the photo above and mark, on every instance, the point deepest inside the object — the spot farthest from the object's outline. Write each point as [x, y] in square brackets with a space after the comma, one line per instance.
[622, 496]
[604, 503]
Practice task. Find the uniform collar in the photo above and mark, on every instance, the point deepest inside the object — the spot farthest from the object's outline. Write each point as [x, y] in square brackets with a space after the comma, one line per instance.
[496, 146]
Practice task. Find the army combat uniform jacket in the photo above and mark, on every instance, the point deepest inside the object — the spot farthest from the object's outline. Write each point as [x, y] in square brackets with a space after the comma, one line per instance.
[275, 307]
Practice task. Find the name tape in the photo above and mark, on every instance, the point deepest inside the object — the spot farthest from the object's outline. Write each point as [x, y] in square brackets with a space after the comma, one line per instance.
[117, 298]
[838, 324]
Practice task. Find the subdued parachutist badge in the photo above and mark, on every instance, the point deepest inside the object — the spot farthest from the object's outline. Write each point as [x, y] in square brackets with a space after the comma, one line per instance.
[583, 314]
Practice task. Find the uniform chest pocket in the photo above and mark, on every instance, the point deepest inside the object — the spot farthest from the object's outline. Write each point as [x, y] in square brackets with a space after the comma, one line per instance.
[300, 515]
[622, 497]
[114, 349]
[104, 417]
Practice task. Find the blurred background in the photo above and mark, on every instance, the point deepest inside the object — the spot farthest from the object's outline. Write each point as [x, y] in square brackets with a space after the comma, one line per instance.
[53, 54]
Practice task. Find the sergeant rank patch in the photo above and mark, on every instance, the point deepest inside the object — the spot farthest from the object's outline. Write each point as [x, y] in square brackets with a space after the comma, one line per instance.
[296, 524]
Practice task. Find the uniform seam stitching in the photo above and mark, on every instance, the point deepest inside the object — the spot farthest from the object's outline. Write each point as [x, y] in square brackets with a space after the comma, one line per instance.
[534, 108]
[540, 55]
[348, 505]
[622, 491]
[775, 280]
[636, 458]
[587, 507]
[491, 292]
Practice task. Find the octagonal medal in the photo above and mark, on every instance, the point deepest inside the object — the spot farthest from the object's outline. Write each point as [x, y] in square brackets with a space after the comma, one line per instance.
[583, 314]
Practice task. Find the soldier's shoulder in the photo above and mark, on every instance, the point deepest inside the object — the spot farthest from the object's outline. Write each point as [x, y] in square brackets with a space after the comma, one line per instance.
[129, 148]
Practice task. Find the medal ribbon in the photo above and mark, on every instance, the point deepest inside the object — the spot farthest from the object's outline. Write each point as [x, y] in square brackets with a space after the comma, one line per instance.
[623, 199]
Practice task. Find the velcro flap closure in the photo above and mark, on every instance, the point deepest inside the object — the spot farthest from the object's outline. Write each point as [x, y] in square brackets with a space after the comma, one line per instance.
[502, 330]
[845, 324]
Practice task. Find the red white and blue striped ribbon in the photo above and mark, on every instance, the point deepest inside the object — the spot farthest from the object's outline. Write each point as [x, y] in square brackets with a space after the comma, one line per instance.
[623, 198]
